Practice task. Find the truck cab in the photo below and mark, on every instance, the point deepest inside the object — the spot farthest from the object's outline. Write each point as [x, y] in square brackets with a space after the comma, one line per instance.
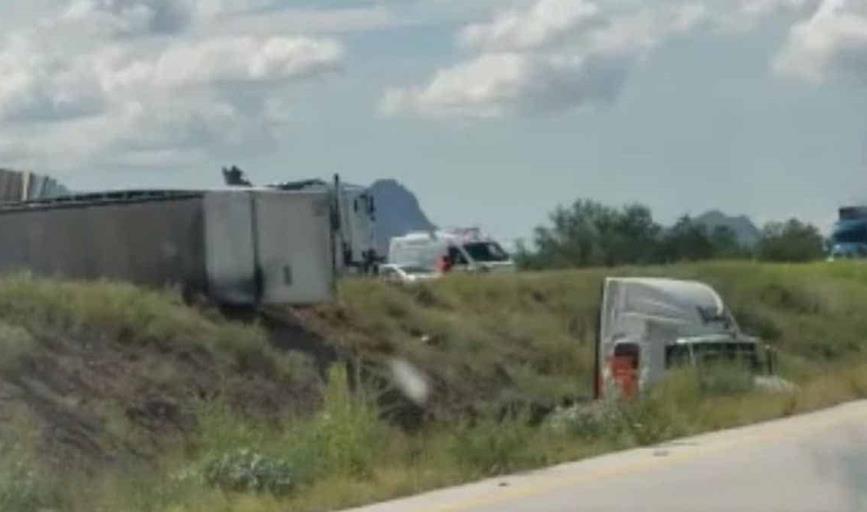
[357, 211]
[353, 218]
[849, 235]
[649, 326]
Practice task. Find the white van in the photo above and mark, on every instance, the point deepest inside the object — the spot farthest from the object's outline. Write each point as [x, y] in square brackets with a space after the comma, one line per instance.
[468, 249]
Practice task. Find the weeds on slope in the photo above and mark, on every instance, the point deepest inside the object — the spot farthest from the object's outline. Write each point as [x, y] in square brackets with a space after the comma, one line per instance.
[492, 345]
[25, 486]
[507, 339]
[34, 308]
[346, 456]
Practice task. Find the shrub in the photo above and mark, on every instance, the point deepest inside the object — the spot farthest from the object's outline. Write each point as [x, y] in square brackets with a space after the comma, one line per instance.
[23, 488]
[858, 379]
[16, 343]
[591, 422]
[725, 379]
[792, 241]
[347, 434]
[756, 321]
[246, 471]
[221, 430]
[492, 447]
[648, 421]
[251, 456]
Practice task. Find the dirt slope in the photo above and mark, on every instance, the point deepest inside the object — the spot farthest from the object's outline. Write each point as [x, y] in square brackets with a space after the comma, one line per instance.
[111, 374]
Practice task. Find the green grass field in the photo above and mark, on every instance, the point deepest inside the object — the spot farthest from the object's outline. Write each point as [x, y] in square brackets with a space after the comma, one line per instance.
[498, 339]
[497, 350]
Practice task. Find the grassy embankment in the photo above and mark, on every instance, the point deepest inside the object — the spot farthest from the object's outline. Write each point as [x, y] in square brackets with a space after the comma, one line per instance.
[498, 350]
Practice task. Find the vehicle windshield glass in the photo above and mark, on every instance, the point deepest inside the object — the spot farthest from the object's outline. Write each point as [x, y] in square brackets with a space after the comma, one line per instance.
[710, 353]
[486, 251]
[851, 234]
[724, 322]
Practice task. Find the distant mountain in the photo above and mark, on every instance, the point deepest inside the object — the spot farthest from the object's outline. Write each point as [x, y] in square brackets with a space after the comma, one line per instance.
[397, 212]
[745, 231]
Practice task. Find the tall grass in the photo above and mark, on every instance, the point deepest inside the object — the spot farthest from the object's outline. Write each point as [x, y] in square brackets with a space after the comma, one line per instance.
[128, 314]
[235, 459]
[25, 485]
[492, 447]
[497, 350]
[16, 344]
[531, 335]
[347, 456]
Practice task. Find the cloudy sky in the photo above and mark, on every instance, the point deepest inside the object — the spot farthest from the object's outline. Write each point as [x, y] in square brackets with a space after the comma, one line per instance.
[492, 111]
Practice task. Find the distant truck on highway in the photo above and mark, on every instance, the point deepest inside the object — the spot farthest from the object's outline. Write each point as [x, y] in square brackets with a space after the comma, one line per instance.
[648, 326]
[467, 250]
[849, 235]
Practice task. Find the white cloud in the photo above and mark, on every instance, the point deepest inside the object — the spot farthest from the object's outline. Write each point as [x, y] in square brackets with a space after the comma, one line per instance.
[307, 20]
[527, 54]
[230, 60]
[642, 30]
[544, 23]
[730, 16]
[159, 132]
[493, 85]
[44, 87]
[40, 86]
[763, 8]
[98, 84]
[210, 99]
[130, 17]
[183, 124]
[556, 55]
[216, 8]
[832, 43]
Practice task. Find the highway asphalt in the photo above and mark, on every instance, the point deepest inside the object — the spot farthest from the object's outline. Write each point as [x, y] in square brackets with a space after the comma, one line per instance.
[811, 463]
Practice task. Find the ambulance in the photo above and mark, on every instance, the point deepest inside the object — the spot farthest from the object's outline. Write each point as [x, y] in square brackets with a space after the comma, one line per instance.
[468, 249]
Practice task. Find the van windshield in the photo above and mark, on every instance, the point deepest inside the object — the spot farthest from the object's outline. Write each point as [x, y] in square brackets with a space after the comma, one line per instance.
[486, 252]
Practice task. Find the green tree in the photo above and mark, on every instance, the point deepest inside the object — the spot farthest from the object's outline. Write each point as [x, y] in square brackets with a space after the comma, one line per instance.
[791, 241]
[686, 241]
[588, 233]
[634, 238]
[725, 243]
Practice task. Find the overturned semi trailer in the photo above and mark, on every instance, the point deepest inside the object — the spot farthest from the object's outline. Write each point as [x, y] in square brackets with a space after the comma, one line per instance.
[238, 247]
